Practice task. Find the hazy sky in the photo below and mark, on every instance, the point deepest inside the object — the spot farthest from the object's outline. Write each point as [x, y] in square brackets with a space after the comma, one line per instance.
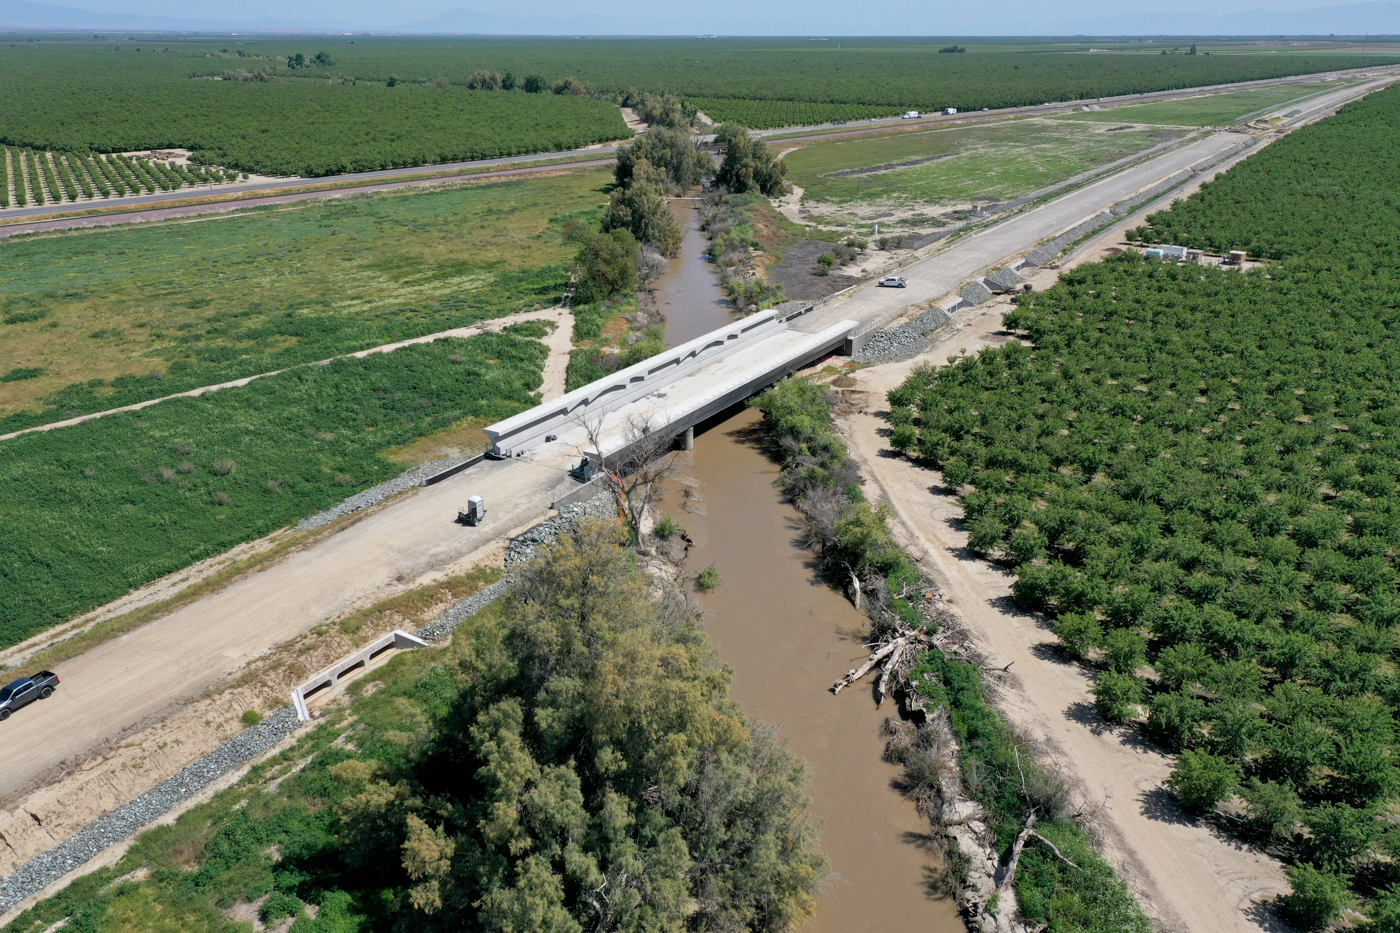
[787, 17]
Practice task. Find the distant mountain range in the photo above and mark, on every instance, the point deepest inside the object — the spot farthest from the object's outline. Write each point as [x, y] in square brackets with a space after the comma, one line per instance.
[1376, 18]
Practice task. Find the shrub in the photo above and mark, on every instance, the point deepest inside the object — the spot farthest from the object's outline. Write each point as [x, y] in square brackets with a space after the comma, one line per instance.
[224, 467]
[221, 498]
[1201, 780]
[250, 718]
[1174, 719]
[1317, 897]
[708, 578]
[1078, 632]
[1125, 651]
[666, 528]
[1117, 696]
[279, 906]
[1272, 809]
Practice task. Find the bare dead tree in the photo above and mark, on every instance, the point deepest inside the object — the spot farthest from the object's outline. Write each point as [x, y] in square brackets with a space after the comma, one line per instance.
[634, 474]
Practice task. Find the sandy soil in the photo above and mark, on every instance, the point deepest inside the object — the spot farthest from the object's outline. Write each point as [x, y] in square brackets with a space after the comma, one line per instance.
[560, 343]
[636, 124]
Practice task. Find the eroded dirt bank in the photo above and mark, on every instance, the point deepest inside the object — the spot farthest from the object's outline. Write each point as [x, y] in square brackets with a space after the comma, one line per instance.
[788, 636]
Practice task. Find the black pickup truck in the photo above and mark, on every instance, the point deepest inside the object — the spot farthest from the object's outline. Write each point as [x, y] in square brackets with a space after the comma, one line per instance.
[26, 690]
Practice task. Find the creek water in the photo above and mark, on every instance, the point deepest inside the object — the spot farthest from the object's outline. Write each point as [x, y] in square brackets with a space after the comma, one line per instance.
[788, 636]
[688, 291]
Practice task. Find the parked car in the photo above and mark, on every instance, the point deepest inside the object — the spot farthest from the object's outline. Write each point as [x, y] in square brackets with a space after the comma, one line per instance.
[892, 281]
[26, 690]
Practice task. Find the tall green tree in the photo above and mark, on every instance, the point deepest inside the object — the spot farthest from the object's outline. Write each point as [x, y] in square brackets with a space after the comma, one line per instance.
[670, 150]
[640, 206]
[749, 164]
[607, 264]
[594, 775]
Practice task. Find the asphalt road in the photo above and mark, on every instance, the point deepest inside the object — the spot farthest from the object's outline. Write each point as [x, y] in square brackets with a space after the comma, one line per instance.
[153, 214]
[944, 272]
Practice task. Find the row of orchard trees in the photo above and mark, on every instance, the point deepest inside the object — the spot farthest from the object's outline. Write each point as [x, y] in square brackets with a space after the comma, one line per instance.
[1196, 474]
[44, 177]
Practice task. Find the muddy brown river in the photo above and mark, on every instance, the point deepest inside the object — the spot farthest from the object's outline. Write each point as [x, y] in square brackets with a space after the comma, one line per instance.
[688, 291]
[788, 637]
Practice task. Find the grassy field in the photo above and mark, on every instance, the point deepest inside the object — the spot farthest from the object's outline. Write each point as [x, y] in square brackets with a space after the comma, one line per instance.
[1223, 109]
[996, 161]
[96, 509]
[98, 319]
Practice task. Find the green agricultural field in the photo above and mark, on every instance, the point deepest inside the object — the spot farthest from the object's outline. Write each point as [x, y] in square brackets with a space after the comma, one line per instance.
[96, 509]
[1224, 109]
[995, 161]
[237, 104]
[1195, 471]
[104, 318]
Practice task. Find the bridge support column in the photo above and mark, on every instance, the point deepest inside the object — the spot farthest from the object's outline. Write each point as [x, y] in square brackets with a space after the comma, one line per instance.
[686, 439]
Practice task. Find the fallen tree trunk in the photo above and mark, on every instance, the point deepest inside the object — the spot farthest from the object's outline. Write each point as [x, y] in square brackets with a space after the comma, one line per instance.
[890, 666]
[1008, 879]
[1027, 833]
[875, 658]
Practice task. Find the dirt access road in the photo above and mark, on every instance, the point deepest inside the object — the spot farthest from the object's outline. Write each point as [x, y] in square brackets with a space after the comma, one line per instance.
[412, 539]
[409, 542]
[1189, 878]
[361, 182]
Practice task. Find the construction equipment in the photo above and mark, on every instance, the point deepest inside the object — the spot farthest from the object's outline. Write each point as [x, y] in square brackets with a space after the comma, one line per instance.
[473, 513]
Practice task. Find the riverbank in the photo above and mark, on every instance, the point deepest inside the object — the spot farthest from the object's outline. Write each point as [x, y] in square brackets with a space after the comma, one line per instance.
[1011, 798]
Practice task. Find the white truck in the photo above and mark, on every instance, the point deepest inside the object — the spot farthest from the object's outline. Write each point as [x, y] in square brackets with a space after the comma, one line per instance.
[950, 111]
[910, 115]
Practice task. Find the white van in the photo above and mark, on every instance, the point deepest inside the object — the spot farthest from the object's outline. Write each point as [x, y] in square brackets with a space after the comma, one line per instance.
[910, 115]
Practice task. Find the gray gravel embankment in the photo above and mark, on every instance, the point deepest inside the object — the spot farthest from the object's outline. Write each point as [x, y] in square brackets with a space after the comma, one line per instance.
[376, 494]
[130, 818]
[908, 340]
